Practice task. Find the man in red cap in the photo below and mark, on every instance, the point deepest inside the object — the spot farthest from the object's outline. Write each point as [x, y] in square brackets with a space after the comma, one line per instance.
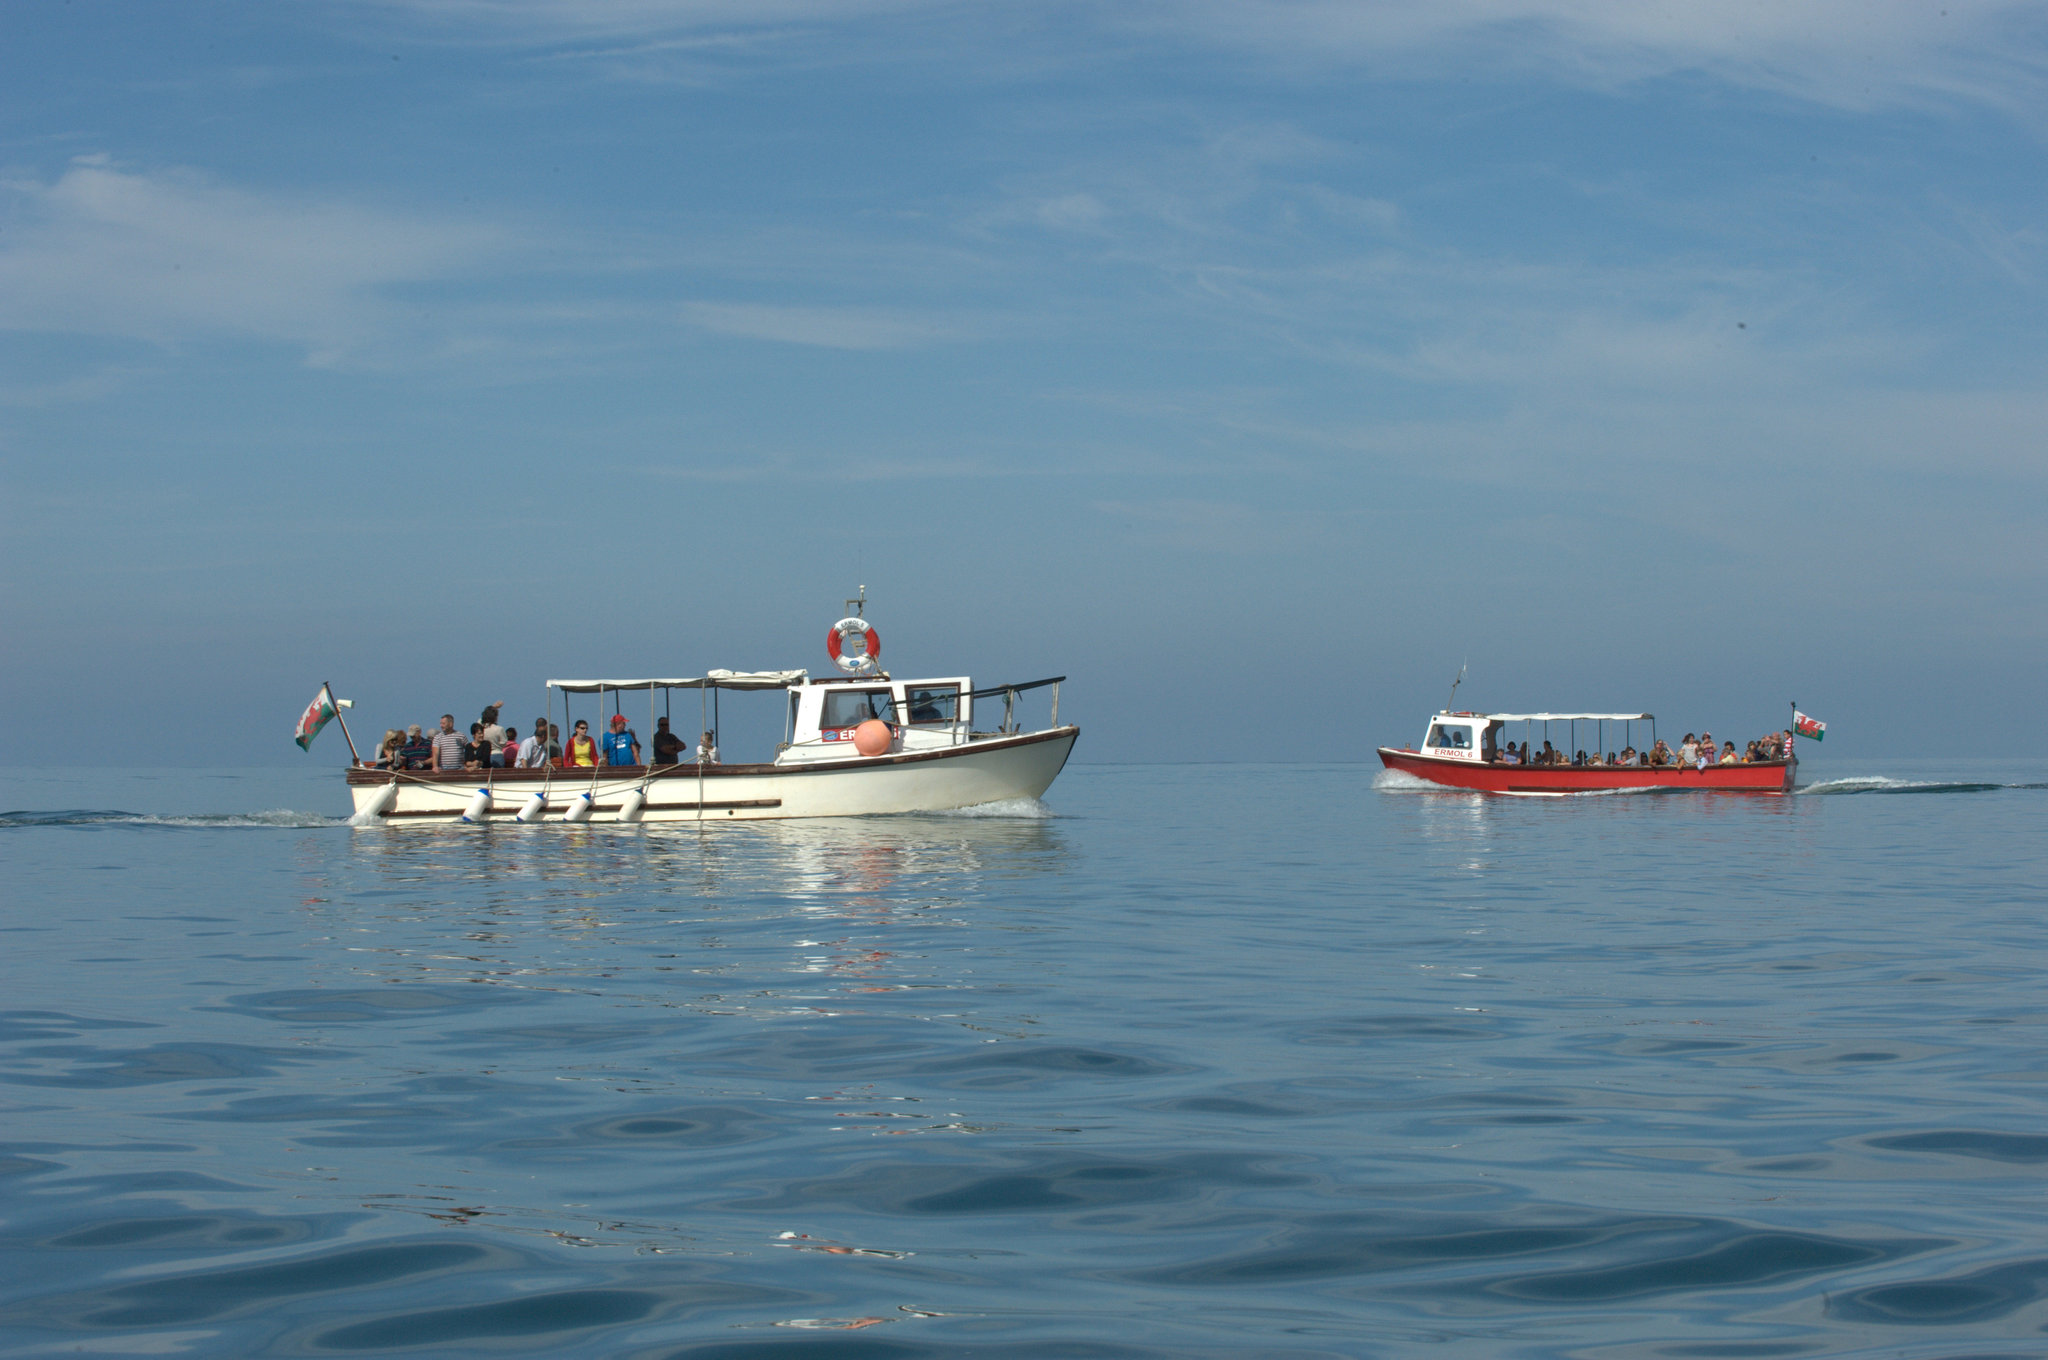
[621, 744]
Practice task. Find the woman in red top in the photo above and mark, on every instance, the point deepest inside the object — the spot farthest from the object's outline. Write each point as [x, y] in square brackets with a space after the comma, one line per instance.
[580, 749]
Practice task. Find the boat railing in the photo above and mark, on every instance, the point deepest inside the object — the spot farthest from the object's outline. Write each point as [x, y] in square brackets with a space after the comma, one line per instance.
[1010, 693]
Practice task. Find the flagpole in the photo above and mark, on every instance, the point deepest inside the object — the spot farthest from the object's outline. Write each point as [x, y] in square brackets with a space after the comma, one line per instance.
[328, 690]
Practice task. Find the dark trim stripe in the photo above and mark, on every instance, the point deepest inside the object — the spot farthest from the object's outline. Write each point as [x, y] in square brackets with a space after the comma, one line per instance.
[495, 811]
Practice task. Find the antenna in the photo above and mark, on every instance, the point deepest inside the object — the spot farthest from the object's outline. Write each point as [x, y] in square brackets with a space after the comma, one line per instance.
[1455, 683]
[858, 608]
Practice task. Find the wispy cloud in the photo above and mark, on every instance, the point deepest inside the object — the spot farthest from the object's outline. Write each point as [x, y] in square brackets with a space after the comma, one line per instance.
[81, 387]
[1848, 53]
[172, 256]
[858, 328]
[639, 16]
[1219, 526]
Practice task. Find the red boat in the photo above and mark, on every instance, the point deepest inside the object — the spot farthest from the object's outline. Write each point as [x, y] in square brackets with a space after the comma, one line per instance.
[1465, 750]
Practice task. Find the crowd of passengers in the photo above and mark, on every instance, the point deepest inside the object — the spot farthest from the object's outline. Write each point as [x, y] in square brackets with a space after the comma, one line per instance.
[492, 746]
[1693, 753]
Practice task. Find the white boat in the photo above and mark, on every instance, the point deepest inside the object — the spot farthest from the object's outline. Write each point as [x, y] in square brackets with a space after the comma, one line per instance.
[854, 745]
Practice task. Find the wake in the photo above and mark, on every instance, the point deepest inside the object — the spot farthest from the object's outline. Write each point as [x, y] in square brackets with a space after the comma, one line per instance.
[1886, 784]
[279, 819]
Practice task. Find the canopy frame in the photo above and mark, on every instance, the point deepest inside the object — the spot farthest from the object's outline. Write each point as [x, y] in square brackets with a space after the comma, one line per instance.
[1565, 717]
[710, 680]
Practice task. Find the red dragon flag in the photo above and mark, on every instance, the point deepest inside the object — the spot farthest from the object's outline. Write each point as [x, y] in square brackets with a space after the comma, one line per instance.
[1813, 729]
[317, 715]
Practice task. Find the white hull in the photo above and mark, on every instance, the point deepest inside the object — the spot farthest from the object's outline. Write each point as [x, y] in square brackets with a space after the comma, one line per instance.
[986, 771]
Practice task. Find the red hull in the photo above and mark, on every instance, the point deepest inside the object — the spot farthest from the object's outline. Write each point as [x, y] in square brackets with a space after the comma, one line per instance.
[1771, 776]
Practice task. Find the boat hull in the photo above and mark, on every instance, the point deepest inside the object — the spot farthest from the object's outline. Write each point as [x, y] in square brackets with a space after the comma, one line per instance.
[986, 771]
[1770, 776]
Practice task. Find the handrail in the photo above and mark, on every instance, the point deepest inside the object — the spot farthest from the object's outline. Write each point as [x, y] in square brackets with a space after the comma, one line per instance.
[1014, 689]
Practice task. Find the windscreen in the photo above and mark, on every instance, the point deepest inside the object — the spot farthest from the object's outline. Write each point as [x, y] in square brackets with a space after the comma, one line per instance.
[851, 708]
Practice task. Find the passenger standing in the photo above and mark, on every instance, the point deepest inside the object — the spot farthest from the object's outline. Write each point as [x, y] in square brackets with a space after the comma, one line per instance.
[707, 750]
[621, 745]
[493, 732]
[447, 744]
[668, 747]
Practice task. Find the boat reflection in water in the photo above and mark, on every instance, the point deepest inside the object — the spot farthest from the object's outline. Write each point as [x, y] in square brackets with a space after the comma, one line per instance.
[838, 899]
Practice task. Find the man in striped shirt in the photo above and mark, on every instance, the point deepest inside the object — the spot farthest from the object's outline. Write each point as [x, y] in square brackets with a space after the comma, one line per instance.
[447, 745]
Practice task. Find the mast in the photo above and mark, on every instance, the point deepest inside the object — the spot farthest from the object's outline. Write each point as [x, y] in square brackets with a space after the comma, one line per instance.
[328, 689]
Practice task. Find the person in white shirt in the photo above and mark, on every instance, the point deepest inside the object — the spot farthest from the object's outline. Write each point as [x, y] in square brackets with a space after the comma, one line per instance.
[707, 751]
[533, 752]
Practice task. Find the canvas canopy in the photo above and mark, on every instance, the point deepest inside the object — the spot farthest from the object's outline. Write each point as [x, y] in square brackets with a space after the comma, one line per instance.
[1568, 717]
[708, 680]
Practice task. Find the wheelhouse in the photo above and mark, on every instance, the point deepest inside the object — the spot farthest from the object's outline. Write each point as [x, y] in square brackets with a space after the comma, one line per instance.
[920, 714]
[1460, 736]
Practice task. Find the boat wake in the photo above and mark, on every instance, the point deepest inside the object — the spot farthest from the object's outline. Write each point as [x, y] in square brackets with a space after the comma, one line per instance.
[1027, 809]
[278, 819]
[1884, 784]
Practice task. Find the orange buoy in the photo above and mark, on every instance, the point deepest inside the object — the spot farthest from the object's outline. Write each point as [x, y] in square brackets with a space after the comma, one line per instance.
[872, 737]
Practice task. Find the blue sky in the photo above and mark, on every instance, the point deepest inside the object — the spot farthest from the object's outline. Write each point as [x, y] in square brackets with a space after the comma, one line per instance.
[1254, 363]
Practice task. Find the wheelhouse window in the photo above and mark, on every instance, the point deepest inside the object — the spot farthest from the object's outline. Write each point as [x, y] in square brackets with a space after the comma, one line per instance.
[1450, 736]
[851, 708]
[931, 704]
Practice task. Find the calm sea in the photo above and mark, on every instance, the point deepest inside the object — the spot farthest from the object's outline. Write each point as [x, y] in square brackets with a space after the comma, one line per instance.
[1217, 1060]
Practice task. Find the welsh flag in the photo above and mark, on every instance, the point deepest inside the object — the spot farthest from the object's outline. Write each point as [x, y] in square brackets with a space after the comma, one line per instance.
[1813, 729]
[317, 715]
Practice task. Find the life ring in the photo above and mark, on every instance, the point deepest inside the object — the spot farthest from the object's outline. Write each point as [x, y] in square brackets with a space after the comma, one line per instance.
[854, 645]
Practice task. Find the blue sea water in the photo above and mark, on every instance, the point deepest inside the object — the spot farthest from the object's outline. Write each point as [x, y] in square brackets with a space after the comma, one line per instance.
[1225, 1060]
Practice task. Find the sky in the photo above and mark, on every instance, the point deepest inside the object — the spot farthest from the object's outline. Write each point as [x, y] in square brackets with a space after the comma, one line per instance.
[1254, 364]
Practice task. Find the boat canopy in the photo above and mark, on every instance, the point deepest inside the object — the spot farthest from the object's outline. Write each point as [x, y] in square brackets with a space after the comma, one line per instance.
[708, 680]
[1563, 717]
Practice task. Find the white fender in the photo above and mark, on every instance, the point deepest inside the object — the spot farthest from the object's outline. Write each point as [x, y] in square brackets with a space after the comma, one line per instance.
[535, 806]
[479, 807]
[634, 806]
[377, 807]
[580, 808]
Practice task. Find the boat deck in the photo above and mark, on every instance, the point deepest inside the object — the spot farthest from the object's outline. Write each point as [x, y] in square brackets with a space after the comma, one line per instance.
[576, 774]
